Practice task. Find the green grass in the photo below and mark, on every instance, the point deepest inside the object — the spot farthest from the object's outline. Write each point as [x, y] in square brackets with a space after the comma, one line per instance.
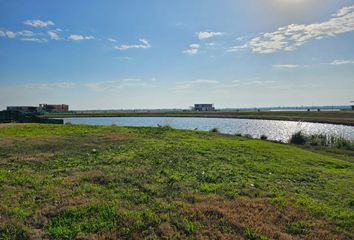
[156, 183]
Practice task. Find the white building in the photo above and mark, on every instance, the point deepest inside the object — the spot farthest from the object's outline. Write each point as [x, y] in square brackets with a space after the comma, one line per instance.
[204, 107]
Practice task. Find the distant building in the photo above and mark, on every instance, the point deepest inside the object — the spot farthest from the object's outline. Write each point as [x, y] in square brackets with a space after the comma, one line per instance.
[204, 107]
[41, 108]
[28, 109]
[53, 108]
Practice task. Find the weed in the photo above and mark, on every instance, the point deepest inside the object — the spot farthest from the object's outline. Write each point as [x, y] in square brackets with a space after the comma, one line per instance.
[86, 219]
[253, 235]
[298, 228]
[12, 232]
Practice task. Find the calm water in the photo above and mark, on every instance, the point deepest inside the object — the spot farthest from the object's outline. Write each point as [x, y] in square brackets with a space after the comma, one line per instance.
[275, 130]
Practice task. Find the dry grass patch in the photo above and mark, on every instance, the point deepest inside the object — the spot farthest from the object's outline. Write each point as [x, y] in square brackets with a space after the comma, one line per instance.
[247, 218]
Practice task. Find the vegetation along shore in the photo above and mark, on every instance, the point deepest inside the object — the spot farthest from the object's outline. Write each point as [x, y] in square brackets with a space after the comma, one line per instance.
[110, 182]
[332, 117]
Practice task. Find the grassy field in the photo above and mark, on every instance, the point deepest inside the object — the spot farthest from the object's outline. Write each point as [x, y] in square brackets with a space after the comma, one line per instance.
[334, 117]
[109, 182]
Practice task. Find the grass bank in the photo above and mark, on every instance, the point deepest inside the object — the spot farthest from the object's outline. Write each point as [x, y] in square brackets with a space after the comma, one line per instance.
[333, 117]
[96, 182]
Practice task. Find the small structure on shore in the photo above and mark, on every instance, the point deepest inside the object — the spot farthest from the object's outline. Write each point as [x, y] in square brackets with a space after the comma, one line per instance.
[53, 108]
[27, 109]
[204, 107]
[13, 116]
[41, 108]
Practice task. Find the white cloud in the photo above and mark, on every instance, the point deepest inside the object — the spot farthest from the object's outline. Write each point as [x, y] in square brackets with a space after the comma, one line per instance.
[53, 35]
[33, 39]
[293, 36]
[59, 85]
[76, 37]
[117, 84]
[184, 85]
[286, 66]
[241, 38]
[10, 34]
[193, 50]
[341, 62]
[259, 82]
[181, 87]
[344, 11]
[26, 33]
[112, 40]
[239, 83]
[201, 81]
[38, 23]
[238, 48]
[145, 44]
[206, 35]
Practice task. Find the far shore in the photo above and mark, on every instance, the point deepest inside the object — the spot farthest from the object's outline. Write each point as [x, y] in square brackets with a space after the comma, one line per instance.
[326, 117]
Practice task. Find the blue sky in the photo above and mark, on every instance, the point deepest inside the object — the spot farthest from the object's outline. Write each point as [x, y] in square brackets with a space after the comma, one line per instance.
[172, 54]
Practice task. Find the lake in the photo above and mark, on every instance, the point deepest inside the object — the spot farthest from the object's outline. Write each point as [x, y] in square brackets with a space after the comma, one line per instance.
[274, 130]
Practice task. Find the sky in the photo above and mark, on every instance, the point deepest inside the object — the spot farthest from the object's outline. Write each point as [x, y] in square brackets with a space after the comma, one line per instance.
[117, 54]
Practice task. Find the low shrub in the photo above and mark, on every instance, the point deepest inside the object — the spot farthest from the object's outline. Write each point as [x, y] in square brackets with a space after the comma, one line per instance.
[214, 130]
[322, 140]
[264, 137]
[165, 126]
[247, 136]
[298, 138]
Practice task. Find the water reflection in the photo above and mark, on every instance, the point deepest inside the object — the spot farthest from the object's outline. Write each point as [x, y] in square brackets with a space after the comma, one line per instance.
[274, 130]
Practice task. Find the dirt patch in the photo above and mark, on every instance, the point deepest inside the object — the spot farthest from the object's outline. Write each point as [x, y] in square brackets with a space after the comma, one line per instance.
[246, 218]
[38, 149]
[6, 141]
[114, 137]
[34, 158]
[6, 125]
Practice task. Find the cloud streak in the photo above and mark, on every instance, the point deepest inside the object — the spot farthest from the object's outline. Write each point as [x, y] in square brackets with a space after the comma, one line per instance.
[186, 85]
[291, 37]
[206, 35]
[51, 86]
[53, 35]
[7, 34]
[117, 84]
[201, 81]
[342, 62]
[38, 23]
[144, 45]
[192, 50]
[76, 37]
[33, 39]
[286, 66]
